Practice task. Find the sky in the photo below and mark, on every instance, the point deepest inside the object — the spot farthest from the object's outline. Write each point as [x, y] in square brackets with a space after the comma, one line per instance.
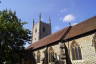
[61, 12]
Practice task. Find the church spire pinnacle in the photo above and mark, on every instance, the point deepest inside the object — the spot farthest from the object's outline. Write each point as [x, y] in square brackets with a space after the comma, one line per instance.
[49, 20]
[40, 17]
[50, 23]
[33, 22]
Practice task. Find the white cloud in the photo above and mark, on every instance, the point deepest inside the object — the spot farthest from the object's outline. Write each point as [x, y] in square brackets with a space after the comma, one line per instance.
[69, 18]
[63, 10]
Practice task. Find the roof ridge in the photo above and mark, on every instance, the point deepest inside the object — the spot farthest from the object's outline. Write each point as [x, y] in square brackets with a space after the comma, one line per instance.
[85, 26]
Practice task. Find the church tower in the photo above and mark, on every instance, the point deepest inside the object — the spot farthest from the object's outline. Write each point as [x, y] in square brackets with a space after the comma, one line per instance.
[40, 30]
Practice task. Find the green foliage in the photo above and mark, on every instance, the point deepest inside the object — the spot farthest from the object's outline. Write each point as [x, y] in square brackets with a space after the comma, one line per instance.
[12, 37]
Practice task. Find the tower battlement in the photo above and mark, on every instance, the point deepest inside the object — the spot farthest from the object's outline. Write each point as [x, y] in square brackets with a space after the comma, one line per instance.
[40, 30]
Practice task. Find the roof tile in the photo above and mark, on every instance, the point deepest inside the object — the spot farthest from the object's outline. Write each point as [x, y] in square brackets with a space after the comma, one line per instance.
[83, 27]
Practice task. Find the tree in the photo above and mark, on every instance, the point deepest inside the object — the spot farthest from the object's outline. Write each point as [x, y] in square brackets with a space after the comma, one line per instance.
[13, 36]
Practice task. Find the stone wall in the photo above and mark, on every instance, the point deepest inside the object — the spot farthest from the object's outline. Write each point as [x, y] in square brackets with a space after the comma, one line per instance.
[87, 50]
[55, 48]
[35, 32]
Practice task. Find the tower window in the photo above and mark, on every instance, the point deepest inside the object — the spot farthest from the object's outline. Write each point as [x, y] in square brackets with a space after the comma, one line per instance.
[43, 29]
[35, 38]
[35, 30]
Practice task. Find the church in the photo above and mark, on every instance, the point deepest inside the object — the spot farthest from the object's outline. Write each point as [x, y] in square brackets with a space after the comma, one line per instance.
[72, 45]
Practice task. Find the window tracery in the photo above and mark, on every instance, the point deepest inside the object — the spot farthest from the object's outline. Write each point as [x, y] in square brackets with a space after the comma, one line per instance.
[76, 51]
[51, 55]
[38, 56]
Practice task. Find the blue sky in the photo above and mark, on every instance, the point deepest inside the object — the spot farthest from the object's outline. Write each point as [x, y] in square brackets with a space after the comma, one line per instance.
[60, 11]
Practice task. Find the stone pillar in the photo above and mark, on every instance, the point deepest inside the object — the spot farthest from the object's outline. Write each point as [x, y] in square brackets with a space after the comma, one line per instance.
[62, 54]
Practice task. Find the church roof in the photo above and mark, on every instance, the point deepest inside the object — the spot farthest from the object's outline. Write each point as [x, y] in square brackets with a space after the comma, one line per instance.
[81, 28]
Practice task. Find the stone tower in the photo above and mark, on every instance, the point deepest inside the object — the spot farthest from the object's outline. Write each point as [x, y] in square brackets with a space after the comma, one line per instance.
[40, 30]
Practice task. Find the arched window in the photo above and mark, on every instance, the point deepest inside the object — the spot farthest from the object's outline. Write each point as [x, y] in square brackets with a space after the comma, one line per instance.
[94, 41]
[38, 56]
[44, 29]
[76, 51]
[51, 55]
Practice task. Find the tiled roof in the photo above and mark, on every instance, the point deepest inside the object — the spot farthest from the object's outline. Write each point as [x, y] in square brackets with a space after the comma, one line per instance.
[81, 28]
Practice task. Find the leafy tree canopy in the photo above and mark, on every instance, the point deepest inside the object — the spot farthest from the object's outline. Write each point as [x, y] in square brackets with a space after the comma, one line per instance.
[12, 37]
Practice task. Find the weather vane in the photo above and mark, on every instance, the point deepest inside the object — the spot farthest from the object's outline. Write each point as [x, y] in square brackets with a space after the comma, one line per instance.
[69, 23]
